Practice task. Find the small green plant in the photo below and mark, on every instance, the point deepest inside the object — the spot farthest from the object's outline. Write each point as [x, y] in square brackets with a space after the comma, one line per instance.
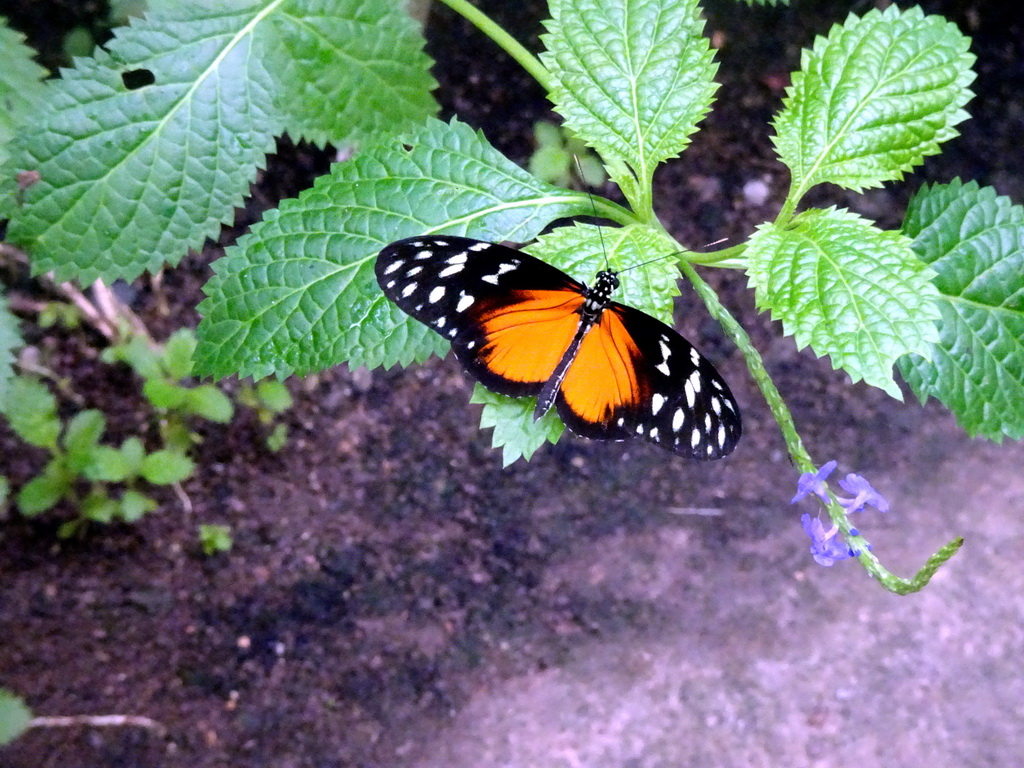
[939, 300]
[269, 398]
[554, 160]
[215, 538]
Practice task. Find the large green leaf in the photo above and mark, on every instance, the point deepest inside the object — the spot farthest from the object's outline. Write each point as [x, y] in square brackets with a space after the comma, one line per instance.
[632, 77]
[873, 99]
[134, 174]
[974, 240]
[10, 341]
[849, 290]
[21, 84]
[299, 294]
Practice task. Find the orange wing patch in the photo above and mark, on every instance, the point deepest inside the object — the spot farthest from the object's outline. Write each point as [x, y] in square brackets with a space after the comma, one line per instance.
[602, 380]
[526, 337]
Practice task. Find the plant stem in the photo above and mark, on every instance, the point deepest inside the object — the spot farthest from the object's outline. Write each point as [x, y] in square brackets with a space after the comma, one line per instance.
[799, 454]
[509, 44]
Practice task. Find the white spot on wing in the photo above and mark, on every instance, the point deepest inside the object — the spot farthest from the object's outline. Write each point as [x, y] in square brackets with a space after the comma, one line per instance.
[441, 243]
[694, 381]
[439, 322]
[663, 367]
[695, 356]
[695, 438]
[653, 434]
[721, 435]
[465, 300]
[677, 419]
[458, 258]
[452, 270]
[436, 295]
[690, 396]
[414, 271]
[479, 246]
[391, 284]
[657, 401]
[665, 351]
[424, 255]
[409, 290]
[492, 279]
[394, 266]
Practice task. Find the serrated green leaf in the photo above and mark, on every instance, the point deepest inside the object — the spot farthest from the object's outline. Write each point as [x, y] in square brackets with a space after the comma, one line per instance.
[974, 240]
[363, 60]
[21, 84]
[178, 352]
[298, 294]
[133, 177]
[632, 77]
[515, 431]
[583, 250]
[210, 403]
[851, 291]
[10, 342]
[32, 413]
[14, 717]
[873, 99]
[166, 467]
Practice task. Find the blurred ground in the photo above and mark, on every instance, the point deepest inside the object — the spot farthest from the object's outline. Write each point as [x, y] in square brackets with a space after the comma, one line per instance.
[395, 598]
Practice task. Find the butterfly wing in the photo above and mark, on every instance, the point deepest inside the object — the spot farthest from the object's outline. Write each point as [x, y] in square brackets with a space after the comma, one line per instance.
[634, 376]
[509, 316]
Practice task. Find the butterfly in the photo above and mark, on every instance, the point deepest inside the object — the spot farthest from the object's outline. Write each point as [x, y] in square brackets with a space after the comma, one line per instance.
[522, 327]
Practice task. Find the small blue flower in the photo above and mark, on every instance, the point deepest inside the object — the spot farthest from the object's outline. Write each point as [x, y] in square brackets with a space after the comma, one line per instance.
[825, 547]
[814, 482]
[863, 494]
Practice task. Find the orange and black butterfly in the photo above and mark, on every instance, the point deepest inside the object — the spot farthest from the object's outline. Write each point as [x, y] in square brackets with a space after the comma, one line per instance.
[522, 327]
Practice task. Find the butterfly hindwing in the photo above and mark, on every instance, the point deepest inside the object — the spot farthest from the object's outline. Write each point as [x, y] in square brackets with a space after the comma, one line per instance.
[654, 386]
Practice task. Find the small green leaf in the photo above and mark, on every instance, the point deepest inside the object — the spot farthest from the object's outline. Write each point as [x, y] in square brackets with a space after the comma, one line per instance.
[138, 355]
[108, 465]
[274, 396]
[10, 341]
[14, 717]
[873, 99]
[974, 240]
[210, 403]
[298, 293]
[165, 394]
[215, 538]
[849, 290]
[81, 436]
[133, 453]
[43, 491]
[177, 354]
[632, 77]
[583, 250]
[166, 467]
[515, 431]
[133, 505]
[278, 437]
[99, 507]
[32, 413]
[177, 436]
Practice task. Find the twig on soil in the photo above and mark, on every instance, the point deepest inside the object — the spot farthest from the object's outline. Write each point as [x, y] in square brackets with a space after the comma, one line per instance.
[97, 721]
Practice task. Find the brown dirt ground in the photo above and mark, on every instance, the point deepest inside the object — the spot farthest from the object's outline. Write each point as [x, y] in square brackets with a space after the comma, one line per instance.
[386, 569]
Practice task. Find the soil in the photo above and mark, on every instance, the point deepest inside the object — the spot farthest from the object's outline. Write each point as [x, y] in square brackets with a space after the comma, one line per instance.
[394, 597]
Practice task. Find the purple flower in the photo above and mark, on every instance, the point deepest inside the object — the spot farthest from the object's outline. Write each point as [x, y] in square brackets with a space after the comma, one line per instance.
[814, 482]
[863, 494]
[825, 547]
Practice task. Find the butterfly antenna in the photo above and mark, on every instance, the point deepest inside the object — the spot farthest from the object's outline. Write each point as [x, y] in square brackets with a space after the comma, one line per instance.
[593, 206]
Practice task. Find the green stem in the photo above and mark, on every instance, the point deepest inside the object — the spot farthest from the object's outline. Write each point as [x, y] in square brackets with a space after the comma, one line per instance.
[509, 44]
[799, 454]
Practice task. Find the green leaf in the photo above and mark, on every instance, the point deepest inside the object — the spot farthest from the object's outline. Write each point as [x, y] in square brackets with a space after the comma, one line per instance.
[277, 438]
[133, 177]
[138, 355]
[14, 717]
[133, 453]
[974, 240]
[353, 70]
[21, 90]
[43, 491]
[133, 505]
[166, 467]
[178, 352]
[515, 431]
[632, 77]
[274, 396]
[108, 465]
[210, 403]
[32, 413]
[850, 290]
[215, 538]
[10, 342]
[298, 294]
[165, 394]
[99, 507]
[81, 436]
[873, 99]
[583, 250]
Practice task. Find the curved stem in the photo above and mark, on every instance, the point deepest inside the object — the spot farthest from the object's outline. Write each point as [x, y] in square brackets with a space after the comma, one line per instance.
[799, 454]
[509, 44]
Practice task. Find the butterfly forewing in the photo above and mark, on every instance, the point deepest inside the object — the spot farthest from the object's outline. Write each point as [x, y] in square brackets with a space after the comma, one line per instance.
[655, 386]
